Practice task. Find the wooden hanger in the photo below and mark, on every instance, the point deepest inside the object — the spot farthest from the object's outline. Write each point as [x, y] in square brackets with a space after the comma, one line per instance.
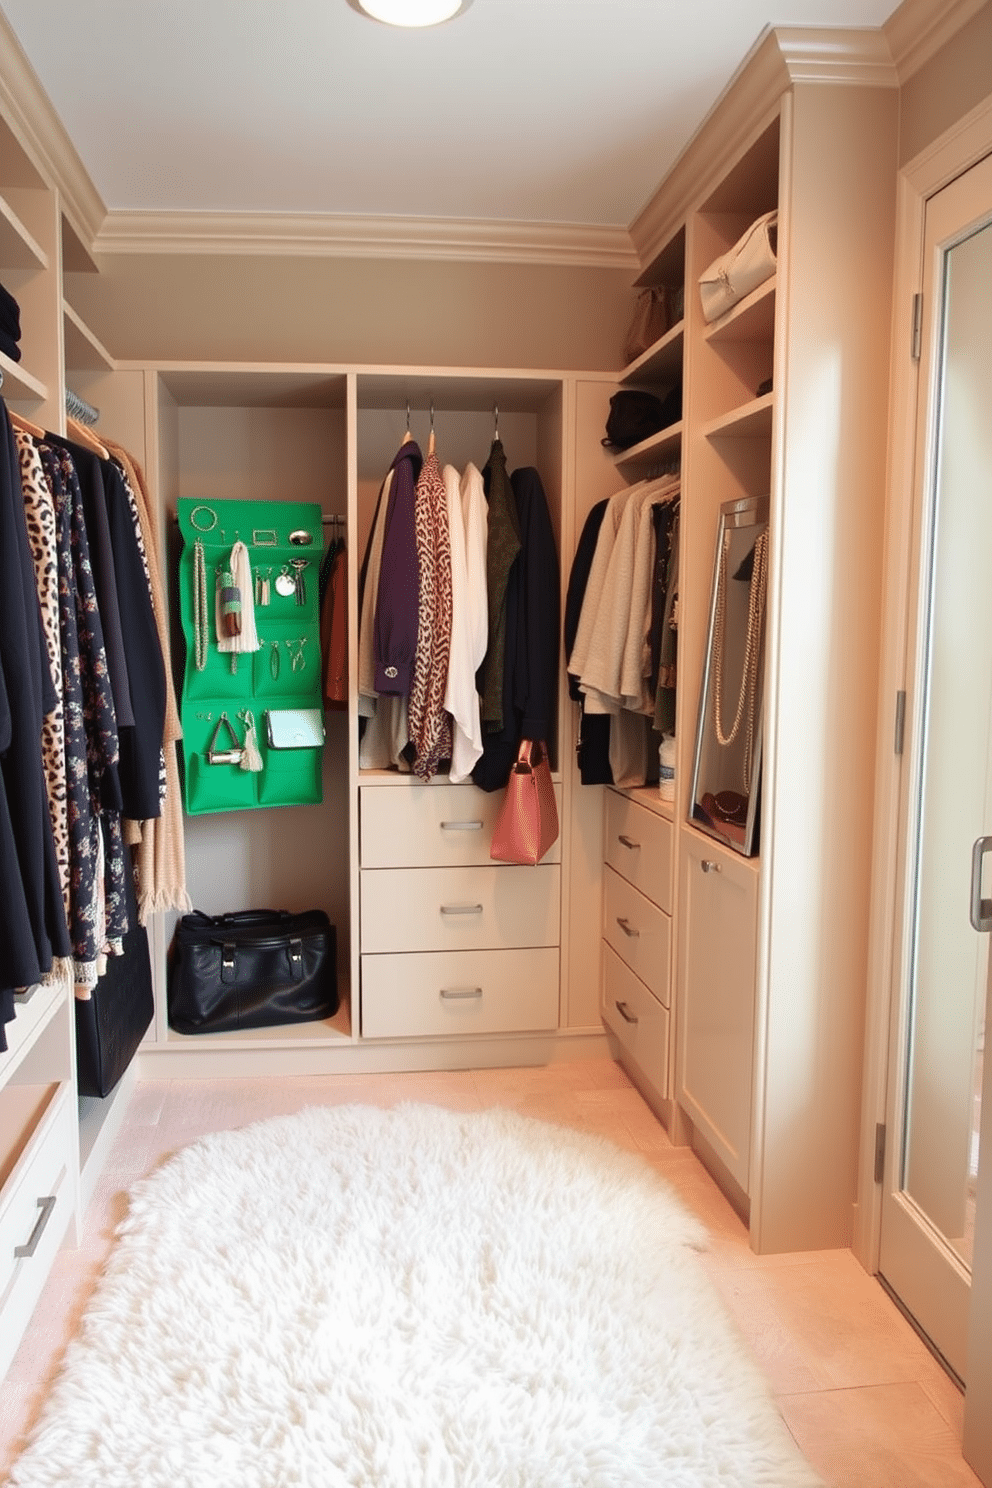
[25, 425]
[85, 436]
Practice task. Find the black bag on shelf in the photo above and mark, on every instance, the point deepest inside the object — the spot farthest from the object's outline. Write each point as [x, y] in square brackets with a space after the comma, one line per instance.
[255, 969]
[635, 415]
[111, 1023]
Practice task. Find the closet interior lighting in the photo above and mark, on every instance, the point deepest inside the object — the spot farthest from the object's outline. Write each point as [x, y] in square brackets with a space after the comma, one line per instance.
[410, 12]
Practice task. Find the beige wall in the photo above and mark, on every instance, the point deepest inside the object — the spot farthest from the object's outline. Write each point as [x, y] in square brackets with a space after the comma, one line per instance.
[947, 87]
[249, 307]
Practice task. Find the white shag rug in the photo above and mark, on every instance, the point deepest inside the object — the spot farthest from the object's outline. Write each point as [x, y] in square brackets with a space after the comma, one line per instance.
[408, 1298]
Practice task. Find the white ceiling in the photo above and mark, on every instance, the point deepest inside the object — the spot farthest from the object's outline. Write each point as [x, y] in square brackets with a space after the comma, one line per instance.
[559, 111]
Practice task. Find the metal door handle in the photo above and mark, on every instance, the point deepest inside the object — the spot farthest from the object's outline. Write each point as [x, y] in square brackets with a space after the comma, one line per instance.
[454, 909]
[709, 865]
[627, 841]
[46, 1205]
[455, 994]
[981, 909]
[461, 826]
[628, 1017]
[627, 928]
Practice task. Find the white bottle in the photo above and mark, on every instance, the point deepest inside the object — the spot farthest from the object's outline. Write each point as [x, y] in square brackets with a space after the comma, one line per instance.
[666, 768]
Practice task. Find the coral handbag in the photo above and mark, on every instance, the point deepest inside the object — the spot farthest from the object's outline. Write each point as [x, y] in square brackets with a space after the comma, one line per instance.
[527, 823]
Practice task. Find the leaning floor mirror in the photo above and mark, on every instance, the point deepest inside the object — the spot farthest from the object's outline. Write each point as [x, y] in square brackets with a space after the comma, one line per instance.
[727, 768]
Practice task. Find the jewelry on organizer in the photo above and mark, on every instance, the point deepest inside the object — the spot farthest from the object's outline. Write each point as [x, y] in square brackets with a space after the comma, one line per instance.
[264, 537]
[201, 526]
[285, 583]
[297, 660]
[301, 565]
[201, 632]
[301, 538]
[752, 650]
[274, 661]
[231, 756]
[250, 758]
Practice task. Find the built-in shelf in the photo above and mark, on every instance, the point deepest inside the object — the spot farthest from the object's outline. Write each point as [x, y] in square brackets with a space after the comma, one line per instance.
[17, 383]
[19, 248]
[751, 421]
[283, 1036]
[84, 352]
[751, 319]
[662, 362]
[660, 449]
[719, 845]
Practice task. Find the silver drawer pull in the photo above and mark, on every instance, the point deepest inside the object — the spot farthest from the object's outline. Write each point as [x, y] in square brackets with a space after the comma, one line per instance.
[625, 1013]
[453, 909]
[24, 1252]
[627, 928]
[627, 841]
[709, 865]
[461, 826]
[460, 994]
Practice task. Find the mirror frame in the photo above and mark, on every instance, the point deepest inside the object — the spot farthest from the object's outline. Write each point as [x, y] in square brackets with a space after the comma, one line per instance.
[750, 512]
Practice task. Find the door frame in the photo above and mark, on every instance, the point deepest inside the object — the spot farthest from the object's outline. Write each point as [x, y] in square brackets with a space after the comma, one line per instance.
[955, 152]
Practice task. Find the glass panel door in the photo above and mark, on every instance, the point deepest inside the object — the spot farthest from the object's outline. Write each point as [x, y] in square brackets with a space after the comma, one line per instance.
[939, 1025]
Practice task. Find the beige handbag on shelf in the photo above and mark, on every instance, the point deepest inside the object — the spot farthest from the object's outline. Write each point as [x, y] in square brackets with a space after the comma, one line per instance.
[742, 268]
[649, 322]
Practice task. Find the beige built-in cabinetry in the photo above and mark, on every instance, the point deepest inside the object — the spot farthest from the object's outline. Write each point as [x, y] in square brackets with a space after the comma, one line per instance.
[734, 988]
[768, 960]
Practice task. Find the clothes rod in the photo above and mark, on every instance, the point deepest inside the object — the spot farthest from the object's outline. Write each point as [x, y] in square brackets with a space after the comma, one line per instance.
[78, 408]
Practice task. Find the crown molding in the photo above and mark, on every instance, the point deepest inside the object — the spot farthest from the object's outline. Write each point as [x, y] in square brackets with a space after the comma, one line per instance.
[918, 29]
[855, 57]
[42, 135]
[332, 236]
[782, 56]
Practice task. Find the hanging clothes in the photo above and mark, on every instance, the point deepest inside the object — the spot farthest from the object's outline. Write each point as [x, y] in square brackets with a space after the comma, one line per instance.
[97, 854]
[39, 511]
[383, 719]
[593, 743]
[469, 615]
[159, 841]
[502, 547]
[530, 637]
[33, 931]
[430, 724]
[395, 622]
[626, 617]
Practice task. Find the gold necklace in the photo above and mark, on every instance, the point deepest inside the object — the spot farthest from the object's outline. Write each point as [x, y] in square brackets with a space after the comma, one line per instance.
[200, 606]
[752, 650]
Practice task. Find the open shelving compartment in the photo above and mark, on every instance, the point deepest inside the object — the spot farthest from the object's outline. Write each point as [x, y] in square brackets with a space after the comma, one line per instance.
[262, 432]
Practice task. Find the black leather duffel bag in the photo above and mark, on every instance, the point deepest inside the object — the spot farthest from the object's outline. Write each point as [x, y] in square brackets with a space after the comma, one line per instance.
[254, 969]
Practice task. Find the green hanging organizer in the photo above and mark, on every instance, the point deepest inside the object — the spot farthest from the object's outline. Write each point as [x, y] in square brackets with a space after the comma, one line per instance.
[276, 688]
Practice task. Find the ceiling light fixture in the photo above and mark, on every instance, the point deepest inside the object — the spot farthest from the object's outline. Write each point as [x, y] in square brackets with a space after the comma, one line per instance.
[410, 12]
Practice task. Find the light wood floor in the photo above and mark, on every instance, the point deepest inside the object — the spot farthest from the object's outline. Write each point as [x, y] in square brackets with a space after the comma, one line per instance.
[866, 1402]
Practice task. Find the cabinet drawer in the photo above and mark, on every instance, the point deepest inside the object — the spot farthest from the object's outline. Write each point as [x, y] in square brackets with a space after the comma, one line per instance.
[639, 933]
[637, 1019]
[36, 1205]
[459, 909]
[431, 826]
[639, 846]
[459, 992]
